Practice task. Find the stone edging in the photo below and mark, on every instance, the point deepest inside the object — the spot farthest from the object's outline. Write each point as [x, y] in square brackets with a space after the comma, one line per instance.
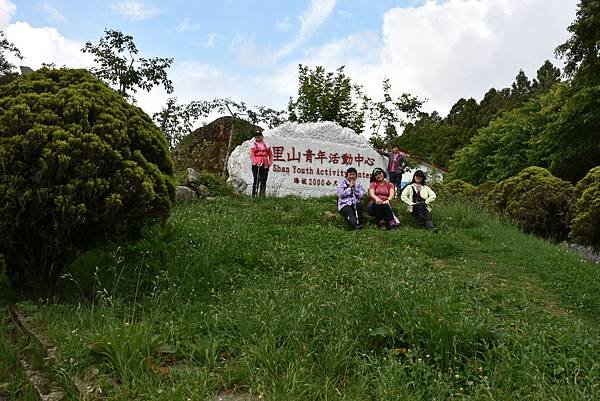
[35, 376]
[586, 252]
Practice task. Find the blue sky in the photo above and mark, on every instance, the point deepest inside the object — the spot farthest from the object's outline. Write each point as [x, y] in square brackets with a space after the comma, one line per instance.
[205, 31]
[440, 50]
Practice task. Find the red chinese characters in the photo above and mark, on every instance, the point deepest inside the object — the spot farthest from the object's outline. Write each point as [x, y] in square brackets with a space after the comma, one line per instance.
[294, 156]
[347, 159]
[308, 155]
[322, 157]
[278, 153]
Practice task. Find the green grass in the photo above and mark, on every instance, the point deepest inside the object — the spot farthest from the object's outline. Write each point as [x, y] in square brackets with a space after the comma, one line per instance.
[269, 297]
[13, 382]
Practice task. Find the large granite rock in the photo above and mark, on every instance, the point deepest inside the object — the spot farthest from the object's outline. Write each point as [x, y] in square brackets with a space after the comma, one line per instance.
[193, 181]
[184, 195]
[309, 159]
[191, 176]
[206, 148]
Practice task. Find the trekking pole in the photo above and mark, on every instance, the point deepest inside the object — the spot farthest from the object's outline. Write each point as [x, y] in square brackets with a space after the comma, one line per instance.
[354, 206]
[258, 179]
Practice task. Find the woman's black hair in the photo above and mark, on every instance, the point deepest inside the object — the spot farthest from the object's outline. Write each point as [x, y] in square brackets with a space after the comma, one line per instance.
[375, 171]
[351, 170]
[419, 173]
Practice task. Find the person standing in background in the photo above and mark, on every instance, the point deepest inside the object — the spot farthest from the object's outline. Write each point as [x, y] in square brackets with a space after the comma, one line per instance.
[395, 167]
[261, 156]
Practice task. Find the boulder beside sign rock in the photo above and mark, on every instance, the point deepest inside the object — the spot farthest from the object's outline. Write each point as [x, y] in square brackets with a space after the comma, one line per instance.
[193, 181]
[184, 195]
[309, 159]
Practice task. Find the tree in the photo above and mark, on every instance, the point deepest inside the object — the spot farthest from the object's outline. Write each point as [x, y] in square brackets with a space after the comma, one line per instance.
[582, 50]
[328, 96]
[494, 102]
[176, 121]
[391, 113]
[120, 66]
[521, 87]
[570, 142]
[439, 141]
[6, 68]
[79, 166]
[586, 210]
[547, 76]
[509, 143]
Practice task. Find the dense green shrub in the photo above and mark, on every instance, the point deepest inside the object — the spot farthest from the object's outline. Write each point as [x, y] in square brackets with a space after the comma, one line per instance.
[217, 185]
[481, 192]
[459, 189]
[585, 226]
[79, 166]
[536, 201]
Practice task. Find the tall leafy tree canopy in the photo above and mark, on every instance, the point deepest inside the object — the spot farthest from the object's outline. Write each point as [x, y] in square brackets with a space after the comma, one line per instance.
[582, 50]
[559, 129]
[177, 120]
[389, 113]
[328, 96]
[438, 139]
[6, 48]
[120, 66]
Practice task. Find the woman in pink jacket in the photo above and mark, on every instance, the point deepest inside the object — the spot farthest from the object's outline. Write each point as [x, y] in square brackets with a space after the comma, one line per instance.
[261, 156]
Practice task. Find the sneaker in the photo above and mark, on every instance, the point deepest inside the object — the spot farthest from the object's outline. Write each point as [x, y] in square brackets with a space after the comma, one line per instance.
[382, 227]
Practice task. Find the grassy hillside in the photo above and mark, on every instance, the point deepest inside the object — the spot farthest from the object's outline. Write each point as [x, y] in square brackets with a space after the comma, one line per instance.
[270, 298]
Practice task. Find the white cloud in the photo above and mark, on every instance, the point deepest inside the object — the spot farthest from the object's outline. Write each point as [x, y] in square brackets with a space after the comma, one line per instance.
[248, 52]
[461, 48]
[210, 39]
[45, 45]
[441, 51]
[7, 10]
[135, 10]
[187, 26]
[195, 81]
[53, 13]
[284, 25]
[310, 20]
[438, 50]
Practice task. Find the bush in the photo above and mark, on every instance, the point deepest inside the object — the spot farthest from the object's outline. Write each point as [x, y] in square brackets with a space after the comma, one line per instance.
[80, 166]
[217, 185]
[459, 189]
[585, 226]
[536, 201]
[481, 192]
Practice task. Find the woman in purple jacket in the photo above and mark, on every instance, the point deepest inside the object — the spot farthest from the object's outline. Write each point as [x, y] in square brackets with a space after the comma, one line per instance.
[350, 191]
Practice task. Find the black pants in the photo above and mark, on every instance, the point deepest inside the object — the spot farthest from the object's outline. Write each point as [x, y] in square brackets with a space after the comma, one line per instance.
[351, 214]
[422, 215]
[382, 212]
[396, 179]
[259, 173]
